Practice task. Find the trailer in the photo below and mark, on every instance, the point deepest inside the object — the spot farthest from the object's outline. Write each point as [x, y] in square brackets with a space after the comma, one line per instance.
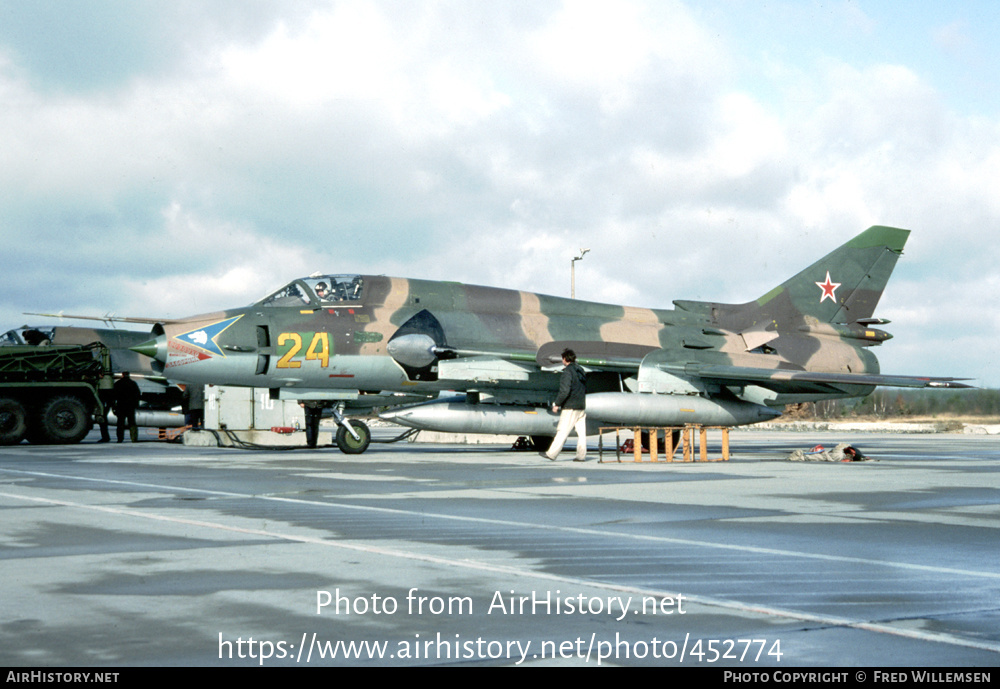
[49, 394]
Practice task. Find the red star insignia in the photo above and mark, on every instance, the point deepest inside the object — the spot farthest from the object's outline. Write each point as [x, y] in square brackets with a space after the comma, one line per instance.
[828, 288]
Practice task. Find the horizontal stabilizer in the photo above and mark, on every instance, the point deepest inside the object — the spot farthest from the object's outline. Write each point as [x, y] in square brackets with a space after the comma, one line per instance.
[777, 379]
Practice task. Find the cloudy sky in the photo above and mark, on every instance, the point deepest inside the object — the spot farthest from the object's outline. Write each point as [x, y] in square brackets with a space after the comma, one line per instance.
[163, 158]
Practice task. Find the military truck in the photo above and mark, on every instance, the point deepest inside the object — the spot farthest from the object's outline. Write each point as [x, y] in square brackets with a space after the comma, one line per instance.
[49, 394]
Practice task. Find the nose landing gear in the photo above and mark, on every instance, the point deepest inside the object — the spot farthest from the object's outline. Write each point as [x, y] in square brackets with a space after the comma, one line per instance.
[353, 437]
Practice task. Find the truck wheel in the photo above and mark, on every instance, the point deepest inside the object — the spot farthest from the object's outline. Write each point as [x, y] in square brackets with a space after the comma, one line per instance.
[64, 420]
[346, 442]
[13, 421]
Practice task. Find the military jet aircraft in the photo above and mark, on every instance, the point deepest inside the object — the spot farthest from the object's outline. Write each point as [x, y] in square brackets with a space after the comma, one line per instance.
[350, 341]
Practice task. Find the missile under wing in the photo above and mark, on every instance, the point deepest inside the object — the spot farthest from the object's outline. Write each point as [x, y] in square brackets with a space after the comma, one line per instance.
[349, 341]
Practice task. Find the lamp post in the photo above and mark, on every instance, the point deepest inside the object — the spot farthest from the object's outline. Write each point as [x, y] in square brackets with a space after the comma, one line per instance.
[572, 273]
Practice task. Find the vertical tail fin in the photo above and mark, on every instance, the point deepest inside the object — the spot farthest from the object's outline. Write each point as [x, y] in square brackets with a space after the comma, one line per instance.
[842, 287]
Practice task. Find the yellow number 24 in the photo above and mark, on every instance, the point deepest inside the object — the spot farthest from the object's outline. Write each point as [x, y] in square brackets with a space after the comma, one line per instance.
[319, 349]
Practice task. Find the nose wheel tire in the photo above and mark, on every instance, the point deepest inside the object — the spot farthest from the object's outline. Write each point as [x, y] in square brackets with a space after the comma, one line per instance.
[350, 445]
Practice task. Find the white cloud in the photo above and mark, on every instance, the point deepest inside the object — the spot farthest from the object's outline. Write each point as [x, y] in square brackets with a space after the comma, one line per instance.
[251, 266]
[953, 37]
[487, 143]
[349, 52]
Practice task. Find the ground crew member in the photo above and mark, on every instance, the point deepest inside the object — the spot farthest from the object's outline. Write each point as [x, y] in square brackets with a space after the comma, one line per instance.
[193, 403]
[313, 412]
[106, 393]
[571, 404]
[126, 401]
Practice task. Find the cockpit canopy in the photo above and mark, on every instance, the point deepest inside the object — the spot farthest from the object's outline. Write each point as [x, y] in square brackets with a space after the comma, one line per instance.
[321, 290]
[26, 335]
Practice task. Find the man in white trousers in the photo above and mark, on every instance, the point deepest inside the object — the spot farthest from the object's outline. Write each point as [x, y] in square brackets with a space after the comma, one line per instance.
[571, 405]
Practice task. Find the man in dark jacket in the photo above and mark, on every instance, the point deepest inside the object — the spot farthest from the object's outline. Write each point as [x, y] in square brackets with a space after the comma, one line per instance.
[570, 404]
[126, 401]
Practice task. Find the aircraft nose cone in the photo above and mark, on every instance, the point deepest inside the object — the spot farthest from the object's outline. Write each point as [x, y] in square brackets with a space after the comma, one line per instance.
[154, 349]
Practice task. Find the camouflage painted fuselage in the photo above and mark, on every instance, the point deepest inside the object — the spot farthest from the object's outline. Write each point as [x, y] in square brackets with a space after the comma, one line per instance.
[345, 337]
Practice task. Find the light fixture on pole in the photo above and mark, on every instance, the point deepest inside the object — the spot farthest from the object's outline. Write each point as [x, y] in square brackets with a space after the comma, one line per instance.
[572, 273]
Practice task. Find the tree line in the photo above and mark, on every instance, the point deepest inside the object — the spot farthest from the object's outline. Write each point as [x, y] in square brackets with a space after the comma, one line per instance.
[888, 403]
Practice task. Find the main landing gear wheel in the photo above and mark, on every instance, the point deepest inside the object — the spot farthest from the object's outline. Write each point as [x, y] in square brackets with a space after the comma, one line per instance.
[542, 443]
[661, 439]
[350, 445]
